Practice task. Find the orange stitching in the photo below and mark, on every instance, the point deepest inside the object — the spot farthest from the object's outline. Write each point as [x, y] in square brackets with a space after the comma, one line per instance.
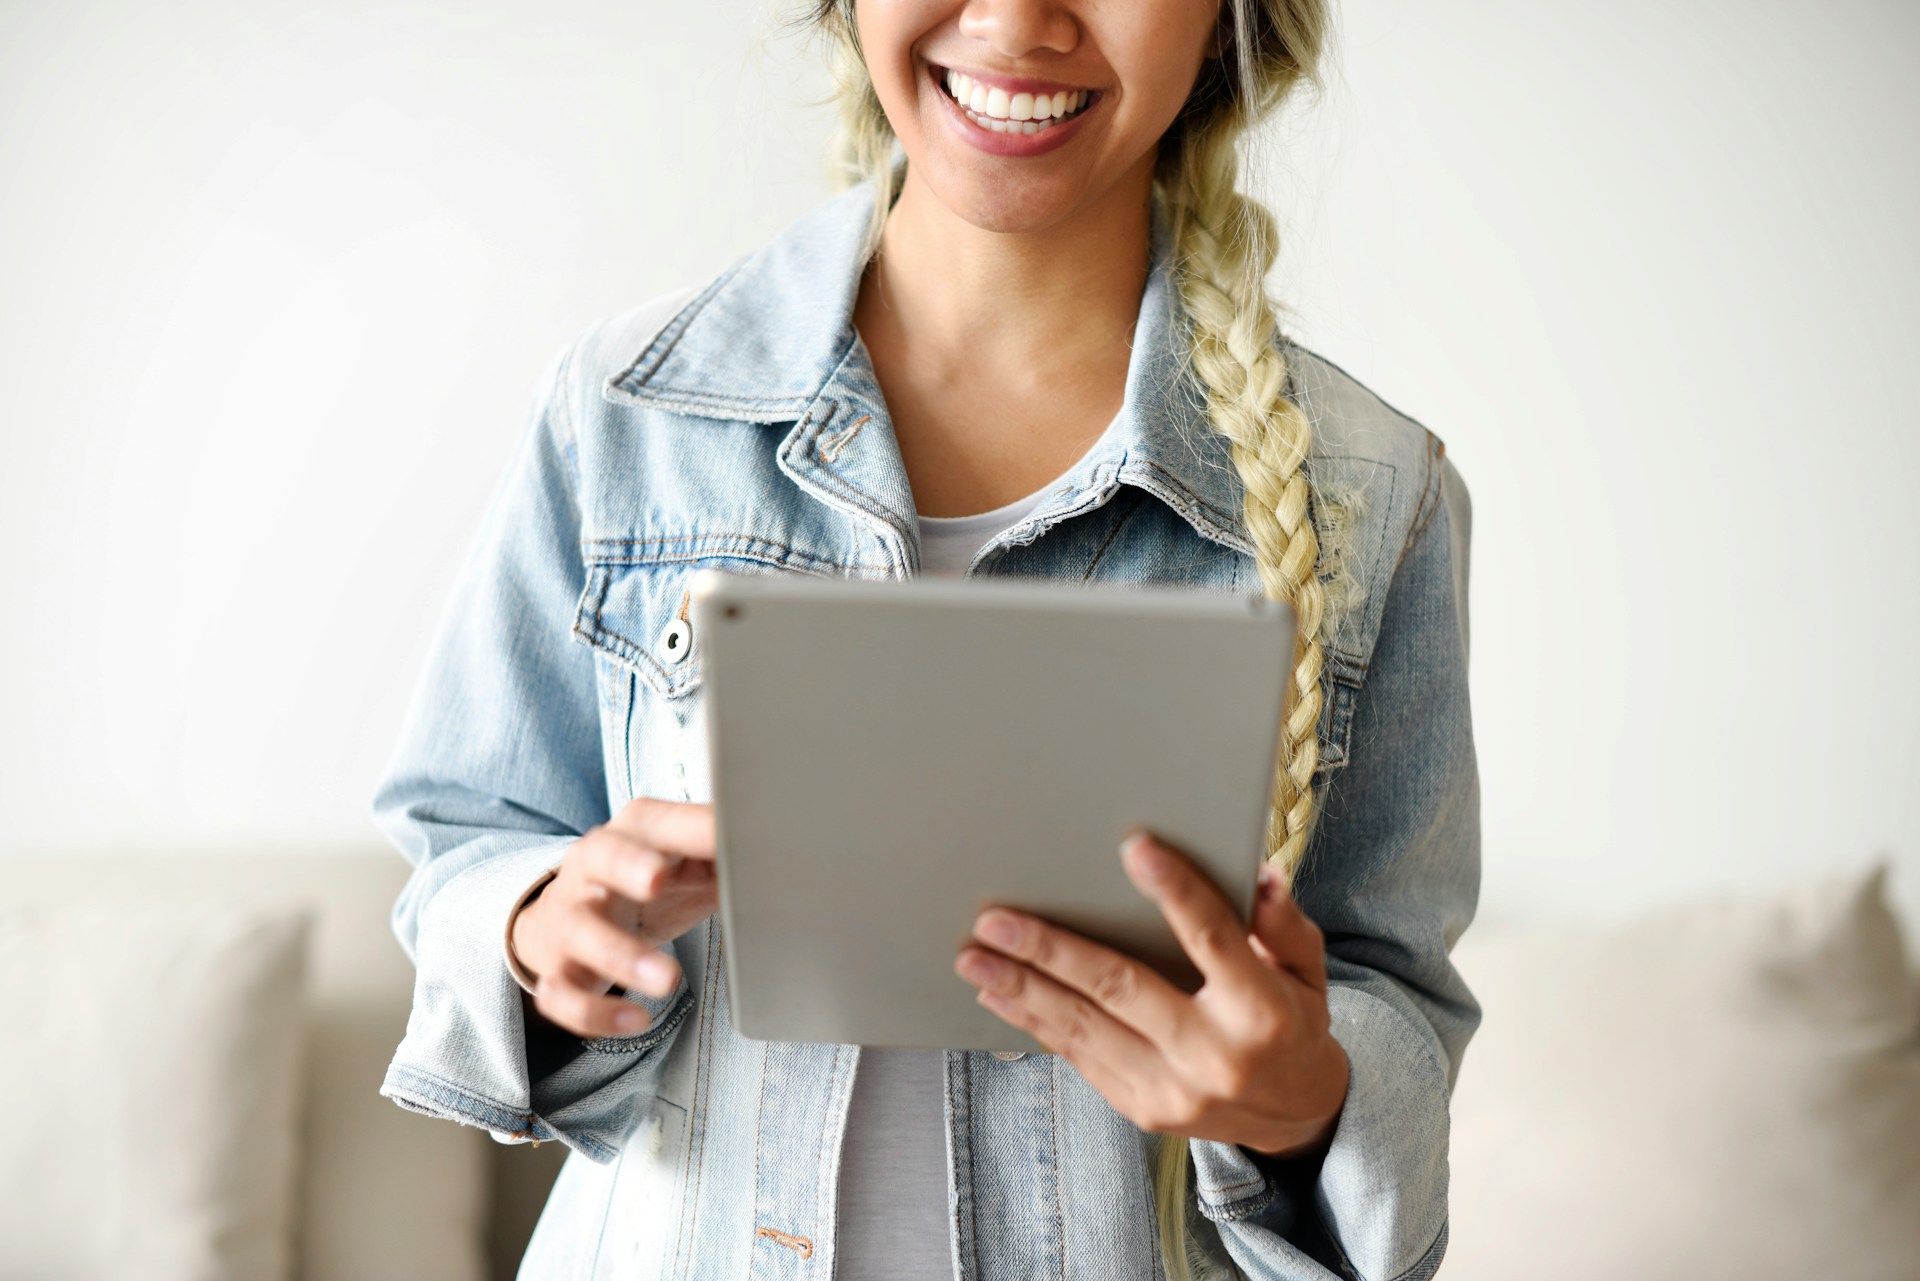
[684, 598]
[804, 1246]
[832, 449]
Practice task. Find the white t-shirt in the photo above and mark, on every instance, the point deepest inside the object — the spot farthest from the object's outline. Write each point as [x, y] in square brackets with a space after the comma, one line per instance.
[893, 1222]
[948, 544]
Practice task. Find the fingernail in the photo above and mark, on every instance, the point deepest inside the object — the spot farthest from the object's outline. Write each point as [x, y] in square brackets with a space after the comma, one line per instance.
[629, 1020]
[978, 967]
[998, 929]
[1140, 853]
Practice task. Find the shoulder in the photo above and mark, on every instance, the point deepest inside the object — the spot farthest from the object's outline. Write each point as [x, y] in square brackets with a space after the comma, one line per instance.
[1379, 479]
[1353, 424]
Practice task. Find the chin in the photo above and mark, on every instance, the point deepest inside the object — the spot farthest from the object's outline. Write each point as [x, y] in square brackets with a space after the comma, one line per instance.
[996, 204]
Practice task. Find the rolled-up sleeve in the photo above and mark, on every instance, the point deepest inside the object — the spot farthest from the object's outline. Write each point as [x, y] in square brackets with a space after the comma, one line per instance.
[499, 768]
[1392, 877]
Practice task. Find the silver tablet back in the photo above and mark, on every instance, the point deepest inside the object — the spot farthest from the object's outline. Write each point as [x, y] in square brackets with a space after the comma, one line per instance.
[888, 758]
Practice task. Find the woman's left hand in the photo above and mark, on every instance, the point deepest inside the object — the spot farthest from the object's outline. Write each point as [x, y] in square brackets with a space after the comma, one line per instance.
[1246, 1059]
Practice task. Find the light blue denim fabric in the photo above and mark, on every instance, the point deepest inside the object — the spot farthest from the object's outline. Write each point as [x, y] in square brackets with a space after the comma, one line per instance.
[740, 424]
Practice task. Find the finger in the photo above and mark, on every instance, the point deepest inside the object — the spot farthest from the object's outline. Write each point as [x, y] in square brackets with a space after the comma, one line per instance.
[568, 997]
[629, 867]
[1210, 932]
[679, 829]
[1132, 992]
[1287, 933]
[1061, 1019]
[587, 938]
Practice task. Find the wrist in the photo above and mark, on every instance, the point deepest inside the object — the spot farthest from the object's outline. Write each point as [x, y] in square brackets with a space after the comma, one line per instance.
[1311, 1136]
[520, 928]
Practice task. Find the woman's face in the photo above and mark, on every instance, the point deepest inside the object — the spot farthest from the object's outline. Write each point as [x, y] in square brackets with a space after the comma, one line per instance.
[1131, 63]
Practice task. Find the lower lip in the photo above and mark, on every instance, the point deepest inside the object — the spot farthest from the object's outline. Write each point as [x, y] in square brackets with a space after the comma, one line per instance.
[1007, 144]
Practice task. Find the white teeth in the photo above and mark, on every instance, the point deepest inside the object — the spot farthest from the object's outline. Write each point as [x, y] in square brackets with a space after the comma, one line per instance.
[1002, 110]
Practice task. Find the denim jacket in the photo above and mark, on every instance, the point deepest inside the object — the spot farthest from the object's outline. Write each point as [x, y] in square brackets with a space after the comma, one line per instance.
[739, 423]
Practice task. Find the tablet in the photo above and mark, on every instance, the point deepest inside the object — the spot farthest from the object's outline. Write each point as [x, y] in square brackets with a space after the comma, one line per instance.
[890, 757]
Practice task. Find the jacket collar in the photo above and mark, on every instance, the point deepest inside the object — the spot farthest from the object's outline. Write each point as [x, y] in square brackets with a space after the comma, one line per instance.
[772, 340]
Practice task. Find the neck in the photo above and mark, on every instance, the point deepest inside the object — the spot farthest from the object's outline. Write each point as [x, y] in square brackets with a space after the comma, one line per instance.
[963, 297]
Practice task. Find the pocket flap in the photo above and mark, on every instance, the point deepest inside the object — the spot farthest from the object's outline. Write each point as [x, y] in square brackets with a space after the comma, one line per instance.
[640, 615]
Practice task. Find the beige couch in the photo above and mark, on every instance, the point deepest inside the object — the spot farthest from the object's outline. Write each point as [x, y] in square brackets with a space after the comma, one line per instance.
[384, 1193]
[1728, 1087]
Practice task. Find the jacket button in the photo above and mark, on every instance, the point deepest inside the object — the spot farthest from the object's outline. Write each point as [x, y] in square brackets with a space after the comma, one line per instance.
[1009, 1056]
[676, 640]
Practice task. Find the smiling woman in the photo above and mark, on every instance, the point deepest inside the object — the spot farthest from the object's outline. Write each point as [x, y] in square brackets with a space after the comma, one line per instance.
[1031, 338]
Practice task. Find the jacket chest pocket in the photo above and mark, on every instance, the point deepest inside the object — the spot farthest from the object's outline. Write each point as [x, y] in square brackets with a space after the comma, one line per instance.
[638, 618]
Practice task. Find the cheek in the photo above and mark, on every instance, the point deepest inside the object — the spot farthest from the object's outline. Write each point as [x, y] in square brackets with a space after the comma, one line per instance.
[888, 34]
[1165, 56]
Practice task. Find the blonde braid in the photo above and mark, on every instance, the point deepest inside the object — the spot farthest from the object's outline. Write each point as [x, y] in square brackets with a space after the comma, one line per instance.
[1223, 246]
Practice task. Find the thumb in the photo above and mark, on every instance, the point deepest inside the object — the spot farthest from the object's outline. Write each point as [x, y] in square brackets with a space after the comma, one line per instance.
[1285, 934]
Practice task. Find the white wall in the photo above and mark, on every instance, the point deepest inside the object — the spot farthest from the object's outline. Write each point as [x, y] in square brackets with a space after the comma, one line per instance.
[276, 280]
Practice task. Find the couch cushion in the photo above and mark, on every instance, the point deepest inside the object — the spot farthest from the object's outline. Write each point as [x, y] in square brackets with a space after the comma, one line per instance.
[153, 1075]
[1727, 1089]
[381, 1192]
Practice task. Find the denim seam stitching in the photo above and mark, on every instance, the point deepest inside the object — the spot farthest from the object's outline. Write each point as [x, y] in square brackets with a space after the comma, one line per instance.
[626, 738]
[480, 1102]
[1429, 494]
[1053, 1135]
[424, 1091]
[1239, 1207]
[568, 435]
[599, 635]
[1224, 1190]
[827, 1152]
[1298, 347]
[759, 1129]
[1196, 511]
[1429, 1261]
[810, 445]
[668, 337]
[693, 397]
[664, 1026]
[796, 453]
[696, 1121]
[1100, 552]
[749, 542]
[1378, 550]
[973, 1141]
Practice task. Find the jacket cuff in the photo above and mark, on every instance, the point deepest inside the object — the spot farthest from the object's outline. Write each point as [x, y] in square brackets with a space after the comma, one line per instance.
[465, 1056]
[1380, 1196]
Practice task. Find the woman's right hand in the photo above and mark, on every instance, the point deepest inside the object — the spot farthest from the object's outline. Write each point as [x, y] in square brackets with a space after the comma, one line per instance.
[624, 890]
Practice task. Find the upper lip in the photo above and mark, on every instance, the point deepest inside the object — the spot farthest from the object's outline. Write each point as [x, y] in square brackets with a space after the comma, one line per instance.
[1012, 84]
